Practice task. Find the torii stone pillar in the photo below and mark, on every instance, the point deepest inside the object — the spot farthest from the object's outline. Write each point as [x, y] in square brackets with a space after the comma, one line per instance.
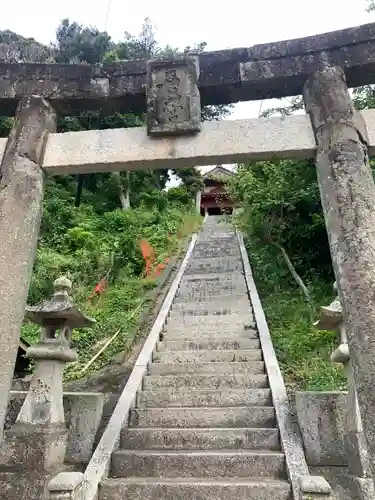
[348, 198]
[21, 199]
[359, 477]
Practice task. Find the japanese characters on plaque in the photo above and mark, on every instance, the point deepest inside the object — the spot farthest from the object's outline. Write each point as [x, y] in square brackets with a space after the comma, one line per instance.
[173, 102]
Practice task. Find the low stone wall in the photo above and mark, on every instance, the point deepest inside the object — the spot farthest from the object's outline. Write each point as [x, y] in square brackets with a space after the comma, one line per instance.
[322, 417]
[83, 414]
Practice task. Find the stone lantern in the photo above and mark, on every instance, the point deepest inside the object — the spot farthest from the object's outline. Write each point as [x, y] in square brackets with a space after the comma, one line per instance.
[39, 435]
[331, 319]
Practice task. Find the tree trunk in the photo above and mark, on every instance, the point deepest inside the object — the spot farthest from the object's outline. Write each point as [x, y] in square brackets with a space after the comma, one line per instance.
[127, 193]
[124, 196]
[294, 273]
[348, 198]
[77, 201]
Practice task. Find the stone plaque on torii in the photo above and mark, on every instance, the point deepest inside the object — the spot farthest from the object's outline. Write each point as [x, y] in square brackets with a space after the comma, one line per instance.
[336, 135]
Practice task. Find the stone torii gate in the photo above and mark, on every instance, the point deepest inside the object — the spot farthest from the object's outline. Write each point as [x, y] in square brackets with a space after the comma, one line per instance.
[320, 67]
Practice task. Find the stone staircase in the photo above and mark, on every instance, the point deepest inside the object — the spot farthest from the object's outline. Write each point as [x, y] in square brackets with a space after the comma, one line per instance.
[204, 426]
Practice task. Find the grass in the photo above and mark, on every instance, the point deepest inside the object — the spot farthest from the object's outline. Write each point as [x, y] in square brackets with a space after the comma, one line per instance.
[302, 351]
[118, 308]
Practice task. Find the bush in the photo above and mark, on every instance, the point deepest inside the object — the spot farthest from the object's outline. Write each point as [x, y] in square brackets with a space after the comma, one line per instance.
[87, 245]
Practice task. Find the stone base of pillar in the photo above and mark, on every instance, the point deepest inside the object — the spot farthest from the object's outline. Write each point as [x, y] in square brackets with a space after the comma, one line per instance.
[356, 454]
[360, 488]
[28, 447]
[23, 485]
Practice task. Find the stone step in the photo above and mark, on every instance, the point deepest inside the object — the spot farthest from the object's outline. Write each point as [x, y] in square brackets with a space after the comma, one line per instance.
[213, 279]
[213, 293]
[206, 397]
[187, 345]
[189, 463]
[206, 294]
[208, 356]
[194, 489]
[200, 439]
[208, 336]
[229, 306]
[208, 285]
[201, 381]
[223, 368]
[223, 328]
[216, 251]
[212, 321]
[219, 311]
[224, 297]
[213, 236]
[224, 265]
[204, 417]
[211, 243]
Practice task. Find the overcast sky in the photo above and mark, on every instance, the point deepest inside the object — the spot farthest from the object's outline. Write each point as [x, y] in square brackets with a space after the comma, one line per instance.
[235, 23]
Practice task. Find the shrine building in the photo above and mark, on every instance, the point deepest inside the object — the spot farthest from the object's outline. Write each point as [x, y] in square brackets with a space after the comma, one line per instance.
[214, 199]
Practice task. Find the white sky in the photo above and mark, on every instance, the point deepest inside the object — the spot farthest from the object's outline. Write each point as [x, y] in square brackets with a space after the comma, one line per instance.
[235, 23]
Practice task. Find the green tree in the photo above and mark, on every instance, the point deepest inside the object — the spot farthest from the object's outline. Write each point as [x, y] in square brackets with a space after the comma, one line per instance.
[75, 43]
[86, 44]
[15, 48]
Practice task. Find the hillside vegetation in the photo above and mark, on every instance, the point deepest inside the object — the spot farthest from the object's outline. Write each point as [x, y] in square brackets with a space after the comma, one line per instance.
[281, 215]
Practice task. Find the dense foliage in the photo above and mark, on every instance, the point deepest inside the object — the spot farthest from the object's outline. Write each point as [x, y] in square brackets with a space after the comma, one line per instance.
[281, 214]
[90, 243]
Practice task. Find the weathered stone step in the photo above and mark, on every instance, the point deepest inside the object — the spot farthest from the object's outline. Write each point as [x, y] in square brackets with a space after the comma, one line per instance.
[212, 279]
[194, 489]
[214, 321]
[213, 293]
[224, 297]
[186, 345]
[150, 463]
[212, 242]
[204, 397]
[209, 294]
[200, 439]
[217, 368]
[207, 356]
[228, 306]
[208, 328]
[209, 336]
[205, 417]
[216, 311]
[201, 381]
[213, 285]
[214, 265]
[216, 251]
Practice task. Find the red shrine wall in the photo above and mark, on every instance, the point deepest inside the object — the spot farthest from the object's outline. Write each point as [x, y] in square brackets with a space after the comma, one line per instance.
[215, 201]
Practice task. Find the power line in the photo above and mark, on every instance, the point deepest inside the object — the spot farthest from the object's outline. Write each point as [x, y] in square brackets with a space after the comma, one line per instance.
[260, 108]
[107, 14]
